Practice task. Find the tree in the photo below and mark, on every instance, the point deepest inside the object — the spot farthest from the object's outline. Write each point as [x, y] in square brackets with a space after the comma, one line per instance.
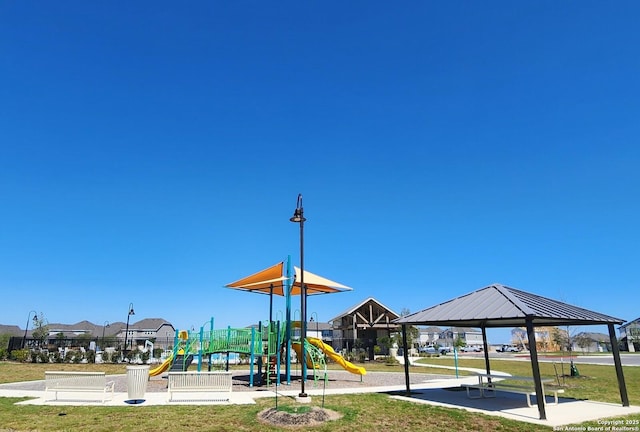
[583, 341]
[385, 342]
[84, 340]
[459, 342]
[413, 333]
[40, 331]
[60, 340]
[560, 338]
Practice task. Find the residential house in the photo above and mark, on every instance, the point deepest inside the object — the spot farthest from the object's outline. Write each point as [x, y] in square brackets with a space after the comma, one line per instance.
[630, 335]
[155, 330]
[362, 325]
[320, 330]
[591, 342]
[471, 337]
[547, 338]
[430, 336]
[109, 334]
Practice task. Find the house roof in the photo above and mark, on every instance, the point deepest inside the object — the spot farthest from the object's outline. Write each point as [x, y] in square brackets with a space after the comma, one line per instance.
[596, 337]
[316, 325]
[462, 330]
[11, 330]
[628, 323]
[353, 309]
[149, 324]
[501, 306]
[110, 329]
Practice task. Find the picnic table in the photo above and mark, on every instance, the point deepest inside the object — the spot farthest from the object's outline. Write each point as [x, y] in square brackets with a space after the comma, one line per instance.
[489, 384]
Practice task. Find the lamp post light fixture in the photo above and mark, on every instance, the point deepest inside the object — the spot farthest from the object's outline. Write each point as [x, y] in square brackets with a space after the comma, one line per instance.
[126, 333]
[298, 217]
[26, 327]
[105, 325]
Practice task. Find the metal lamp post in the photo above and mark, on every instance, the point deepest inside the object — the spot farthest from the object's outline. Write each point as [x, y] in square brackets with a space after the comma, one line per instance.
[298, 217]
[26, 327]
[126, 333]
[106, 324]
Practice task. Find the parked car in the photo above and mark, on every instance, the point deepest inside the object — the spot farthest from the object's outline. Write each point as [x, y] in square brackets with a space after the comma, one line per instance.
[508, 348]
[428, 350]
[444, 350]
[470, 349]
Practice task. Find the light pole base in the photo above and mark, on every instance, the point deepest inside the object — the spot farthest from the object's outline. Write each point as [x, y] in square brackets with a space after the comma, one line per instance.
[303, 398]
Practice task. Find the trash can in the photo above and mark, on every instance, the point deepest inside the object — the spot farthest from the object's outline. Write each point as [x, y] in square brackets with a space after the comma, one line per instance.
[137, 377]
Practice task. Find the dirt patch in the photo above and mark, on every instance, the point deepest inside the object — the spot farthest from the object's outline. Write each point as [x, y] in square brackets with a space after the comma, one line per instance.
[313, 417]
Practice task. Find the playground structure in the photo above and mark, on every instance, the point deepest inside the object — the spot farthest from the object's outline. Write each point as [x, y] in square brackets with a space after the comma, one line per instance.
[269, 342]
[263, 346]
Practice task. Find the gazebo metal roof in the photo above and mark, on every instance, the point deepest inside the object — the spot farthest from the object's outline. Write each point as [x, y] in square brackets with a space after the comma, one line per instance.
[501, 306]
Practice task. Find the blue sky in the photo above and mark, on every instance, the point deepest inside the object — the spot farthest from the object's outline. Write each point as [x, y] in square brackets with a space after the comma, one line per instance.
[152, 152]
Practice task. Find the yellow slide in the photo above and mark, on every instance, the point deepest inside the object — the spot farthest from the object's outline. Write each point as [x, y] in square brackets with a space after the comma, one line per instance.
[329, 352]
[296, 348]
[163, 367]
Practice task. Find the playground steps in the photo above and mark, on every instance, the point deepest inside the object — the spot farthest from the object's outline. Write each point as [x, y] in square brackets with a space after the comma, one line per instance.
[180, 364]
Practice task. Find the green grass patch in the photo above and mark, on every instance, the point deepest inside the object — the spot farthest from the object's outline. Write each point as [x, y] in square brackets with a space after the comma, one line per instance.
[370, 411]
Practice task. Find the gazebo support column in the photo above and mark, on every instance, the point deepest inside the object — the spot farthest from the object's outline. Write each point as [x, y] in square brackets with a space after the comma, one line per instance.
[616, 360]
[405, 354]
[485, 347]
[535, 368]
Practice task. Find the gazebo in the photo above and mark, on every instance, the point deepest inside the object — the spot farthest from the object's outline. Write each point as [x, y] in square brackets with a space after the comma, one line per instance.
[498, 306]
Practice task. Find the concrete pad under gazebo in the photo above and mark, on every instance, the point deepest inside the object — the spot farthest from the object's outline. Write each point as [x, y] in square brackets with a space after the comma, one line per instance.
[500, 306]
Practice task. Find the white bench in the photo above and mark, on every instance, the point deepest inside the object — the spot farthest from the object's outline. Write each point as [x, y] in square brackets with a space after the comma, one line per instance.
[488, 389]
[218, 382]
[66, 381]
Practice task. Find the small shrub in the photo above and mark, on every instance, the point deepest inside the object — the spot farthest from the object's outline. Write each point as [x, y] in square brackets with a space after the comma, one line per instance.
[391, 361]
[20, 355]
[73, 356]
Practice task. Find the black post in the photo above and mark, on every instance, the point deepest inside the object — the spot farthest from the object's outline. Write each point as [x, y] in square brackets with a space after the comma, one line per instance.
[616, 359]
[105, 324]
[126, 333]
[405, 354]
[535, 367]
[298, 217]
[485, 345]
[26, 327]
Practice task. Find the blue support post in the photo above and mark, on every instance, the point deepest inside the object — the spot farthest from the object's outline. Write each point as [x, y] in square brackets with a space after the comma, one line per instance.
[200, 349]
[278, 353]
[455, 359]
[175, 344]
[252, 356]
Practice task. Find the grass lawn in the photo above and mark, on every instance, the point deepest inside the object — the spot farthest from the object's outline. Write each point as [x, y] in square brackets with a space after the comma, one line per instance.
[360, 412]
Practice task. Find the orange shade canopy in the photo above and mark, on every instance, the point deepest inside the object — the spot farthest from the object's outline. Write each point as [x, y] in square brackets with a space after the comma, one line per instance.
[272, 280]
